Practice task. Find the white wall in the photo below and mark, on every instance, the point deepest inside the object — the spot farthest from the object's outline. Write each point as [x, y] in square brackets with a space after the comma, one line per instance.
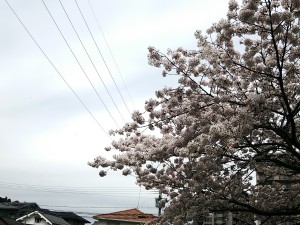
[31, 220]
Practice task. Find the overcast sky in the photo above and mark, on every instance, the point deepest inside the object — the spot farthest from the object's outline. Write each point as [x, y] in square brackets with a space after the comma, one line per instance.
[47, 136]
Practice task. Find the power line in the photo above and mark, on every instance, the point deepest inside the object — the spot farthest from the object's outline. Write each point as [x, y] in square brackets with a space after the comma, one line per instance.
[90, 215]
[73, 91]
[115, 195]
[111, 54]
[103, 191]
[102, 58]
[92, 207]
[79, 187]
[79, 63]
[88, 54]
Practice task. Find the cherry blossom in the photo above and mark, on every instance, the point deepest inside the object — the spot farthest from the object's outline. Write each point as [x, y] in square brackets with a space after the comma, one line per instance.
[233, 116]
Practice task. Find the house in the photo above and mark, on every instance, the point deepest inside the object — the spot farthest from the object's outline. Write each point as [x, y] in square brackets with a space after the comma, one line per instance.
[40, 218]
[17, 209]
[8, 221]
[264, 179]
[226, 218]
[125, 217]
[287, 181]
[70, 217]
[5, 199]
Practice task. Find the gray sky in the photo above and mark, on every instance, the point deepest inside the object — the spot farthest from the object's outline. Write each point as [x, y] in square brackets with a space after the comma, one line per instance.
[46, 135]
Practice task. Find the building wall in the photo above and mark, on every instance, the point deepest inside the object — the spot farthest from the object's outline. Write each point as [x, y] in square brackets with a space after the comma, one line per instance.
[218, 219]
[288, 182]
[31, 220]
[227, 218]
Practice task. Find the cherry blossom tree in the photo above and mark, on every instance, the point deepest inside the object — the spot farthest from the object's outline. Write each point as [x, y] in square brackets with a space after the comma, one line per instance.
[234, 113]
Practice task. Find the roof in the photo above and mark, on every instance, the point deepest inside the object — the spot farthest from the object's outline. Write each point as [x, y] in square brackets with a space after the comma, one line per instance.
[54, 220]
[65, 215]
[5, 206]
[130, 215]
[10, 221]
[18, 205]
[21, 205]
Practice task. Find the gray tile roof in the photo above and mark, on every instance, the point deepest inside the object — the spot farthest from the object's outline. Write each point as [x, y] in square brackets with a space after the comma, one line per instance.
[18, 205]
[6, 205]
[65, 215]
[55, 220]
[10, 221]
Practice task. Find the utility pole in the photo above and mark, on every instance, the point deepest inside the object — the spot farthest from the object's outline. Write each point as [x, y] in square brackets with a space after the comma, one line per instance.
[158, 204]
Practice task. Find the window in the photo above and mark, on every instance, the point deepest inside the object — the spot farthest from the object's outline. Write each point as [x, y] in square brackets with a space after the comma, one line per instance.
[208, 219]
[219, 218]
[37, 219]
[283, 177]
[288, 223]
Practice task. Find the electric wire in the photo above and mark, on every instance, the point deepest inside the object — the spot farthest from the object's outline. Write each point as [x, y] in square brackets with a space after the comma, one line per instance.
[17, 186]
[87, 77]
[90, 215]
[102, 57]
[103, 191]
[44, 53]
[111, 54]
[80, 210]
[88, 55]
[115, 195]
[90, 207]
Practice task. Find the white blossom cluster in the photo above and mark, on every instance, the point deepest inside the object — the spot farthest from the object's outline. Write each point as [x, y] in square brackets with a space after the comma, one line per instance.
[234, 113]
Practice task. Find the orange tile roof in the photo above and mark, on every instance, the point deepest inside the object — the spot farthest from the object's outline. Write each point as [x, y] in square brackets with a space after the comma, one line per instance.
[132, 215]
